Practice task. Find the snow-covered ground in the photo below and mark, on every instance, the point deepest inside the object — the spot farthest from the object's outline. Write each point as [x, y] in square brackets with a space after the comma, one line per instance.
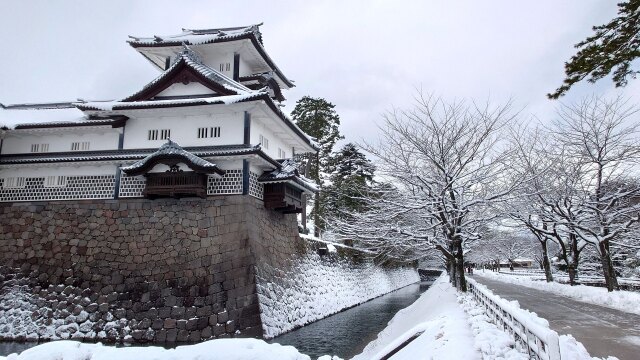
[621, 300]
[228, 349]
[446, 332]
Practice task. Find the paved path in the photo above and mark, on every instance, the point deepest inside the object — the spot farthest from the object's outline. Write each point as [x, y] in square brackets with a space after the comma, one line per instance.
[603, 331]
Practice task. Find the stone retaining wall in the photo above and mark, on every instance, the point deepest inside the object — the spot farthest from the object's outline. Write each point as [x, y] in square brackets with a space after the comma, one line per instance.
[137, 270]
[170, 270]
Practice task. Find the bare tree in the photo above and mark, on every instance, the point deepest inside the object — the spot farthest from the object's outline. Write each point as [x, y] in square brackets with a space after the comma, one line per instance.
[448, 164]
[601, 137]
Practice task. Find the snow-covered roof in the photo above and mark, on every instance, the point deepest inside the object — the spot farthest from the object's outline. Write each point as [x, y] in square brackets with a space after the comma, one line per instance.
[171, 149]
[12, 117]
[124, 105]
[288, 172]
[188, 58]
[209, 36]
[131, 154]
[195, 37]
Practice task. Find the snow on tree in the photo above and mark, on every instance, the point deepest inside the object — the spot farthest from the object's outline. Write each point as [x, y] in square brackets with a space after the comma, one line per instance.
[350, 180]
[601, 136]
[612, 48]
[317, 117]
[446, 163]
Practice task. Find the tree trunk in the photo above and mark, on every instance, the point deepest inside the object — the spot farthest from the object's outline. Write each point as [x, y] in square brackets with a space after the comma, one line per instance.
[316, 216]
[572, 274]
[610, 277]
[453, 273]
[461, 283]
[545, 262]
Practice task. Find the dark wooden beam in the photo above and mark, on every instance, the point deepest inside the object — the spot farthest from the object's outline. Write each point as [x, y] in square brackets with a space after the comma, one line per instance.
[236, 66]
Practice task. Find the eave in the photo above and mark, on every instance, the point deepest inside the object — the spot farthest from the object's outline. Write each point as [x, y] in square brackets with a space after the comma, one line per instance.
[247, 36]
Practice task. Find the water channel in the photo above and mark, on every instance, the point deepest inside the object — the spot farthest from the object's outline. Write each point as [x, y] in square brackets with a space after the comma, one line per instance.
[344, 334]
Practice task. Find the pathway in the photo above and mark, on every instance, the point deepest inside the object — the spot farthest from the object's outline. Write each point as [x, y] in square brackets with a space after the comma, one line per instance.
[603, 331]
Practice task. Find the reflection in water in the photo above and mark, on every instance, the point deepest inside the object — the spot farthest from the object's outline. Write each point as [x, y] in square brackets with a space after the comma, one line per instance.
[345, 334]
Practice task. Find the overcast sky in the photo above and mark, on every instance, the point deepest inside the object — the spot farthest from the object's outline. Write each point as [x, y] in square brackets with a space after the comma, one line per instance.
[364, 56]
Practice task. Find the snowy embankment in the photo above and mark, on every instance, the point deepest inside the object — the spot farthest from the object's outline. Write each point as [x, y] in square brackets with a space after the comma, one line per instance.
[228, 349]
[445, 331]
[620, 300]
[315, 287]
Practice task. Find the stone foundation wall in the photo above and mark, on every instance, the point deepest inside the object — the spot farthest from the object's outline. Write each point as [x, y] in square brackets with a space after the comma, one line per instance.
[134, 270]
[171, 270]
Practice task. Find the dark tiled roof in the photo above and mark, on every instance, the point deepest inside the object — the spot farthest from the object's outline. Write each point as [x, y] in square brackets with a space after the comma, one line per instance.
[288, 172]
[129, 154]
[209, 36]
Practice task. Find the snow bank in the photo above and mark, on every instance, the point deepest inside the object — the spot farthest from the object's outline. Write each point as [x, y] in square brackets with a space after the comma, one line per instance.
[315, 286]
[228, 349]
[446, 333]
[621, 300]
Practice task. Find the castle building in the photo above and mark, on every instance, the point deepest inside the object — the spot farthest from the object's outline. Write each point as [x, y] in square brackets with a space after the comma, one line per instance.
[210, 124]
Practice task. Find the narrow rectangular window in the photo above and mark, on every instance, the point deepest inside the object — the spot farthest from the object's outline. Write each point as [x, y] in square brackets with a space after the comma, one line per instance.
[85, 145]
[75, 146]
[221, 67]
[39, 148]
[281, 154]
[9, 182]
[165, 134]
[215, 131]
[228, 66]
[153, 135]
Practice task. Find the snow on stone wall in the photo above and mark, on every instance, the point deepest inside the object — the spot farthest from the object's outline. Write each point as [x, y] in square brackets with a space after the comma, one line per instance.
[317, 286]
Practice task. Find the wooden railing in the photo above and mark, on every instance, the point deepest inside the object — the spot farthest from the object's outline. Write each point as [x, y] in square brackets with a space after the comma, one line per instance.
[175, 184]
[541, 342]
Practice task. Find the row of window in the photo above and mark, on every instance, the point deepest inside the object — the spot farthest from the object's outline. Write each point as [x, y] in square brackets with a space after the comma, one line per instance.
[75, 146]
[19, 182]
[225, 66]
[160, 134]
[156, 134]
[207, 132]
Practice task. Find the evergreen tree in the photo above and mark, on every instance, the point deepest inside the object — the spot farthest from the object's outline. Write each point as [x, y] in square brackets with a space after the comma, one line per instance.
[351, 181]
[612, 48]
[317, 117]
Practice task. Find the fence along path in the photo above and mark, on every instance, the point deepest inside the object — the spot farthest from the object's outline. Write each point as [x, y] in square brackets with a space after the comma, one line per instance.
[541, 342]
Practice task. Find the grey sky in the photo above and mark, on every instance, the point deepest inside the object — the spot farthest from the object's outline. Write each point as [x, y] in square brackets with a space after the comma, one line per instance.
[364, 56]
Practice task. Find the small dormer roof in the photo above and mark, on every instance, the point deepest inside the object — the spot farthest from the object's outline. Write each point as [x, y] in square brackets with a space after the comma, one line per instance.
[170, 154]
[288, 173]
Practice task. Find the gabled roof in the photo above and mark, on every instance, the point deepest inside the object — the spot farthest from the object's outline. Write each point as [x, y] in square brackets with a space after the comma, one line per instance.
[210, 36]
[185, 68]
[288, 172]
[171, 153]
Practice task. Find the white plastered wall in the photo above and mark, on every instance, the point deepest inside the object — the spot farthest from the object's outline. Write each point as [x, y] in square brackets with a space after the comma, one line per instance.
[184, 130]
[66, 169]
[20, 141]
[192, 88]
